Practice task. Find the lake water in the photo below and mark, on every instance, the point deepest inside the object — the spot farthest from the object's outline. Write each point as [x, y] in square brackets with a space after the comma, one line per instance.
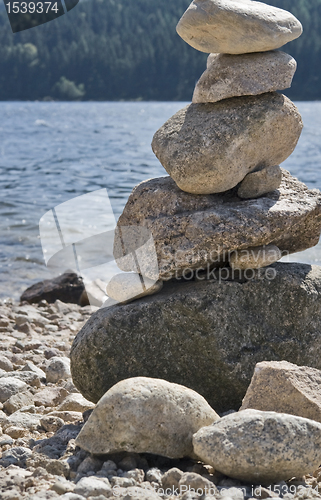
[53, 152]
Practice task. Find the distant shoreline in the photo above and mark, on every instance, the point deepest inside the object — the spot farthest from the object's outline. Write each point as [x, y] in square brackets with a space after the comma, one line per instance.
[119, 101]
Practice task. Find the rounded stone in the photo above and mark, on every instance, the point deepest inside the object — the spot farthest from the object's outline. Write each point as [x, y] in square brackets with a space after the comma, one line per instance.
[10, 386]
[93, 487]
[58, 368]
[163, 418]
[5, 364]
[125, 287]
[255, 258]
[261, 447]
[210, 148]
[237, 26]
[75, 402]
[51, 423]
[259, 183]
[244, 74]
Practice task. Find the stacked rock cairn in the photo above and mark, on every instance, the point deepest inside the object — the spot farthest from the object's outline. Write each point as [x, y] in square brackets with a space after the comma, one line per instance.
[226, 204]
[227, 201]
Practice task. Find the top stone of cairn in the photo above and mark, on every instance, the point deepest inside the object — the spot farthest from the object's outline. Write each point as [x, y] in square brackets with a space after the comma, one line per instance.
[237, 26]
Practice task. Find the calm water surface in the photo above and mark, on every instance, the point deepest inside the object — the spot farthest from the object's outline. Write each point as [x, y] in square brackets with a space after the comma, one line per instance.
[52, 152]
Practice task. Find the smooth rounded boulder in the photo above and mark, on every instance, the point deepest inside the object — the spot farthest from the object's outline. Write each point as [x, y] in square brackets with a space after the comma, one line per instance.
[261, 447]
[210, 148]
[245, 74]
[237, 26]
[206, 335]
[146, 415]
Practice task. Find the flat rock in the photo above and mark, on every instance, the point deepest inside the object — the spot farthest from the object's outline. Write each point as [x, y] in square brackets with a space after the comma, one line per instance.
[125, 287]
[75, 402]
[245, 74]
[5, 364]
[194, 232]
[31, 367]
[50, 396]
[259, 183]
[18, 401]
[285, 388]
[68, 288]
[255, 258]
[237, 26]
[25, 419]
[210, 148]
[162, 417]
[206, 335]
[261, 447]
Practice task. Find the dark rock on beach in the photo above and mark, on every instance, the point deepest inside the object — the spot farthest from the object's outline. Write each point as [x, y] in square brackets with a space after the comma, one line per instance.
[68, 288]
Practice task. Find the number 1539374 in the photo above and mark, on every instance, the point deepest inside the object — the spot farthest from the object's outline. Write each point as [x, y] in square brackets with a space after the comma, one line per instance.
[32, 7]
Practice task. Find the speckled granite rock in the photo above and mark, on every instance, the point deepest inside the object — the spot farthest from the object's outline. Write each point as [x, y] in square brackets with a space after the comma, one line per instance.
[259, 183]
[261, 447]
[286, 388]
[237, 27]
[163, 418]
[191, 232]
[206, 335]
[210, 148]
[245, 74]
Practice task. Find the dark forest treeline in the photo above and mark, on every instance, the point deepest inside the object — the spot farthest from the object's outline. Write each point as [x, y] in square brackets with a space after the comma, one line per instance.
[129, 49]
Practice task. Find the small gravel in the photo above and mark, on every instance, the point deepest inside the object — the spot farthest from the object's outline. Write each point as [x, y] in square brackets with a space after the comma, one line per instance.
[41, 414]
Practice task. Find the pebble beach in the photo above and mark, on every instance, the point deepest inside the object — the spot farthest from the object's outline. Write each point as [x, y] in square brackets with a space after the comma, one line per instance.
[176, 388]
[42, 414]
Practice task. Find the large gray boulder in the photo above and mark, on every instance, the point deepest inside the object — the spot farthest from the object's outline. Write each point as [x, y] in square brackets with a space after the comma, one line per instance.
[210, 148]
[245, 74]
[205, 335]
[163, 418]
[261, 447]
[237, 26]
[194, 232]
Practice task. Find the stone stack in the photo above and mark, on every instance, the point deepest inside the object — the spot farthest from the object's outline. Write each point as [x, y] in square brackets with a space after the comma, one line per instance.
[226, 208]
[227, 201]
